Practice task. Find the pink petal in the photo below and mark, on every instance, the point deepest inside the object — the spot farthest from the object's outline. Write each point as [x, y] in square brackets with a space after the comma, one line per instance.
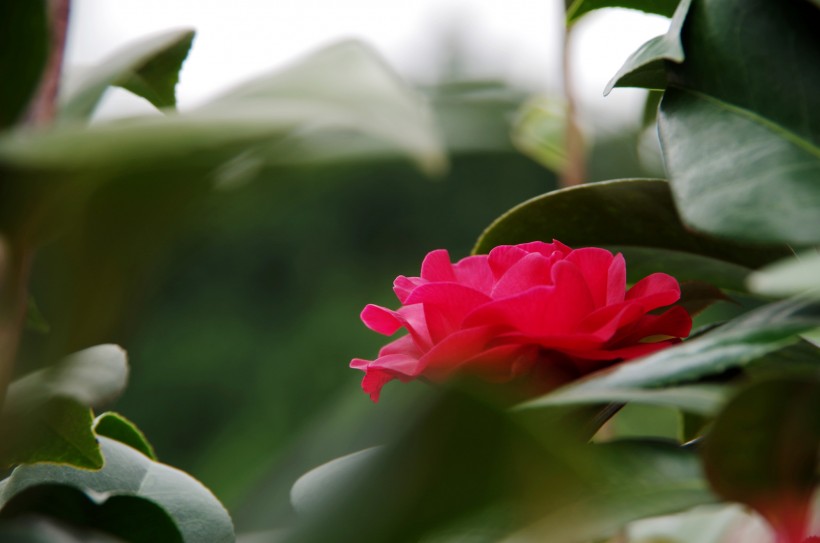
[594, 264]
[445, 306]
[531, 271]
[387, 322]
[616, 280]
[654, 291]
[623, 353]
[474, 271]
[503, 257]
[380, 319]
[403, 286]
[437, 267]
[453, 351]
[675, 322]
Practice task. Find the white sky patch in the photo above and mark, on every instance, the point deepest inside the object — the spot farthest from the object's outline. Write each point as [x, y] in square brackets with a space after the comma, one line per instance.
[517, 40]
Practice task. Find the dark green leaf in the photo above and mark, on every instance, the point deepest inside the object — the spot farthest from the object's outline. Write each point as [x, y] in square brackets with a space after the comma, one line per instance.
[117, 427]
[577, 8]
[196, 512]
[739, 138]
[635, 216]
[700, 399]
[149, 68]
[637, 480]
[34, 529]
[646, 67]
[735, 344]
[34, 318]
[762, 449]
[57, 431]
[46, 417]
[134, 519]
[24, 39]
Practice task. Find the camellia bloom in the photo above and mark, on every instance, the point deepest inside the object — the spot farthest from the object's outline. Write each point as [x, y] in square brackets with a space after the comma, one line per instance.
[532, 311]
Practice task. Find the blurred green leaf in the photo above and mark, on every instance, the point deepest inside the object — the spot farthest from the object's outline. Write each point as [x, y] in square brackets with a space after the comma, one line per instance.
[700, 399]
[24, 38]
[577, 8]
[128, 473]
[91, 377]
[132, 518]
[739, 138]
[540, 132]
[46, 417]
[636, 217]
[637, 479]
[149, 68]
[35, 319]
[762, 450]
[646, 67]
[117, 427]
[736, 343]
[789, 277]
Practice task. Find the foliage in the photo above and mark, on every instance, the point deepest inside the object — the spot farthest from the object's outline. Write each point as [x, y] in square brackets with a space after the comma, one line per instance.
[729, 415]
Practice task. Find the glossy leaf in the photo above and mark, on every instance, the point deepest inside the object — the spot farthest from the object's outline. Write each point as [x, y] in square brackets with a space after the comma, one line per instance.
[24, 39]
[762, 451]
[578, 8]
[117, 427]
[149, 68]
[196, 512]
[789, 277]
[742, 151]
[646, 67]
[699, 399]
[134, 519]
[735, 344]
[46, 417]
[636, 217]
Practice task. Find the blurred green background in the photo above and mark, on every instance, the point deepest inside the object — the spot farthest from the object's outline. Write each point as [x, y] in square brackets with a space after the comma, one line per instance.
[240, 338]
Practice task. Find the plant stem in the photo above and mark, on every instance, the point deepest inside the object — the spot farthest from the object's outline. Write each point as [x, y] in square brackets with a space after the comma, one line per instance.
[575, 169]
[16, 254]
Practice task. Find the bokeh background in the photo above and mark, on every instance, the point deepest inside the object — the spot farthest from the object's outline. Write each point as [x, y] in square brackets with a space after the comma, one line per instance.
[240, 333]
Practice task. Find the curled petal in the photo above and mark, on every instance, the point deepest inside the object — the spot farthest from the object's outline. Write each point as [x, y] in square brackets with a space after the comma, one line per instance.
[437, 267]
[654, 291]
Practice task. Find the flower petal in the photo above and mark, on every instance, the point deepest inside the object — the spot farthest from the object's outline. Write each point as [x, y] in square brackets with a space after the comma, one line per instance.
[474, 271]
[437, 266]
[594, 264]
[531, 271]
[654, 291]
[445, 306]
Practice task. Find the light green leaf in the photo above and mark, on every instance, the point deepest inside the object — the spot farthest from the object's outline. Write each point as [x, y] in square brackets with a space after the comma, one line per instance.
[762, 449]
[637, 480]
[743, 154]
[737, 343]
[196, 512]
[646, 67]
[42, 530]
[46, 417]
[797, 275]
[578, 8]
[700, 399]
[24, 38]
[636, 217]
[149, 68]
[117, 427]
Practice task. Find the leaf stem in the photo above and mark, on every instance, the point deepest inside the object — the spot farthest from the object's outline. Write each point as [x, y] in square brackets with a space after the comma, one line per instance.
[575, 169]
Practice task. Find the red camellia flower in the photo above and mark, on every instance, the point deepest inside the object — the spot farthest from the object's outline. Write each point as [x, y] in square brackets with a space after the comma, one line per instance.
[524, 311]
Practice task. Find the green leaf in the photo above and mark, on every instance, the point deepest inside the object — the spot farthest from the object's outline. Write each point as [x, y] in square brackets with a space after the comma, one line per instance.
[34, 318]
[789, 277]
[134, 519]
[646, 67]
[699, 399]
[117, 427]
[737, 343]
[24, 38]
[46, 417]
[762, 450]
[742, 149]
[636, 217]
[637, 480]
[149, 68]
[128, 473]
[578, 8]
